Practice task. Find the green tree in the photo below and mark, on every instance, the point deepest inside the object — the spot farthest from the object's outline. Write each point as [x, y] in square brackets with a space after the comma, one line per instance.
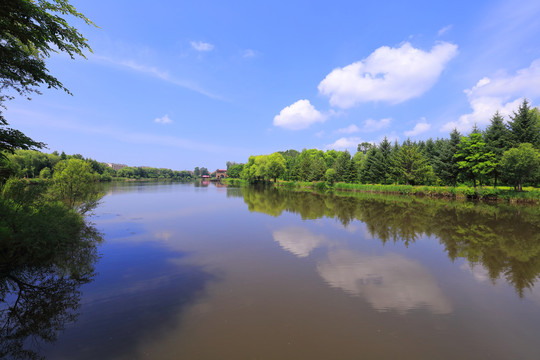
[29, 32]
[275, 166]
[521, 164]
[445, 163]
[365, 147]
[524, 126]
[76, 184]
[474, 159]
[498, 140]
[411, 165]
[330, 176]
[235, 170]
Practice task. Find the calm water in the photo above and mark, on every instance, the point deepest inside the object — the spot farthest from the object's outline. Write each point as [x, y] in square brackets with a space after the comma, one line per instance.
[206, 272]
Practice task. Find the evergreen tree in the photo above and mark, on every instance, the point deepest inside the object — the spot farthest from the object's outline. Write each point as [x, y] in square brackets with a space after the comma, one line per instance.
[342, 166]
[498, 140]
[411, 165]
[372, 170]
[524, 126]
[386, 150]
[445, 164]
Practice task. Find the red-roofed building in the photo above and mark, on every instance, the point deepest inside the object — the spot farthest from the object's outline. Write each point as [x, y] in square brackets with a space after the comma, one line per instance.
[220, 174]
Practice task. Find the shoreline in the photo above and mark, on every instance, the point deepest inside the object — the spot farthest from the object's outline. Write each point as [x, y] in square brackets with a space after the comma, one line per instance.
[482, 194]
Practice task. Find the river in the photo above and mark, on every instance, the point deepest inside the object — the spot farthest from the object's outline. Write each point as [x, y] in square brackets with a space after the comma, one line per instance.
[203, 271]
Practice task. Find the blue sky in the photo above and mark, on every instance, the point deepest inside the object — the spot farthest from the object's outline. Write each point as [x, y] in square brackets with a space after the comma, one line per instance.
[180, 84]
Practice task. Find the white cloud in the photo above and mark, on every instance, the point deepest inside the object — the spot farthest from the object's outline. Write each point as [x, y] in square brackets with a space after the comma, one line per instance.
[248, 53]
[419, 128]
[388, 74]
[349, 129]
[371, 125]
[444, 30]
[345, 143]
[501, 93]
[163, 120]
[202, 46]
[299, 115]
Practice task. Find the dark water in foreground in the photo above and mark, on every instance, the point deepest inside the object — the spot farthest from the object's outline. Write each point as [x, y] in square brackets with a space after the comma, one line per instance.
[206, 272]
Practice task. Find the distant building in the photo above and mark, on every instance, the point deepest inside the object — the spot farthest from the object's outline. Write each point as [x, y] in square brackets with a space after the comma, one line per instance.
[116, 167]
[206, 176]
[220, 174]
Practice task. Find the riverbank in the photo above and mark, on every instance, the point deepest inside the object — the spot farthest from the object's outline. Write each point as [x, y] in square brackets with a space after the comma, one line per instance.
[501, 194]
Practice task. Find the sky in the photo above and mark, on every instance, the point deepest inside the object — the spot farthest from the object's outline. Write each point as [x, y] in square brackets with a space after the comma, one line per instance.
[180, 84]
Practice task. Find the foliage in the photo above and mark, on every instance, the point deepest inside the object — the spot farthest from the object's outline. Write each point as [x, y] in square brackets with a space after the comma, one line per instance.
[411, 165]
[474, 159]
[524, 126]
[30, 32]
[521, 164]
[75, 183]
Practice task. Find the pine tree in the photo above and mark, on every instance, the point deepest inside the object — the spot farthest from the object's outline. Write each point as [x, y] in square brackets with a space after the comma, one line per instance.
[498, 140]
[524, 126]
[445, 164]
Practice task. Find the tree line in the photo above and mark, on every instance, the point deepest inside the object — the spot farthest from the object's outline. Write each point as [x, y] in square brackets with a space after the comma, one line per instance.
[35, 164]
[504, 153]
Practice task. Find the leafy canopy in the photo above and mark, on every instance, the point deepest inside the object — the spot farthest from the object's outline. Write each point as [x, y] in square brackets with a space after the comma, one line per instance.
[30, 30]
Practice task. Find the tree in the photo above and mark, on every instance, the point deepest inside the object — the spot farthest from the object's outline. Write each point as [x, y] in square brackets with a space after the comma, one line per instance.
[521, 164]
[411, 165]
[497, 138]
[235, 170]
[524, 126]
[29, 32]
[445, 163]
[473, 157]
[197, 172]
[275, 166]
[330, 176]
[365, 147]
[75, 184]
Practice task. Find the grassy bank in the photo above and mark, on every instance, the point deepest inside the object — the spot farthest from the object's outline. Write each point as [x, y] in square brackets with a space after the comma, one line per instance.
[503, 194]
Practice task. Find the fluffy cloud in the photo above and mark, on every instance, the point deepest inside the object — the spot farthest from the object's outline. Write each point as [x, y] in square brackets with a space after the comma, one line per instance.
[501, 93]
[419, 128]
[299, 115]
[344, 143]
[349, 129]
[389, 74]
[163, 120]
[202, 46]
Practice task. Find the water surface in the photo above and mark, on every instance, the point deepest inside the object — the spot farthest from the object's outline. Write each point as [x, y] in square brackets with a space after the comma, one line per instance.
[209, 272]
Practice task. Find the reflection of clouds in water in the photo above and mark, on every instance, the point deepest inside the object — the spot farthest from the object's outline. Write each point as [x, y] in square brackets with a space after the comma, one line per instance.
[387, 282]
[480, 273]
[298, 240]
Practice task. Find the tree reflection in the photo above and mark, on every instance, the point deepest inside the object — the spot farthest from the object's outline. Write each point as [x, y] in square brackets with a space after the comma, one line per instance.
[503, 239]
[39, 295]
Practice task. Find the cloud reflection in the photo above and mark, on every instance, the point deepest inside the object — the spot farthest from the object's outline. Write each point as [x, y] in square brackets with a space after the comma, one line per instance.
[387, 282]
[298, 240]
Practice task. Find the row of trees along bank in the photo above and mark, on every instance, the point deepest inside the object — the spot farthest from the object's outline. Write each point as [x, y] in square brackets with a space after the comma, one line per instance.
[33, 164]
[504, 153]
